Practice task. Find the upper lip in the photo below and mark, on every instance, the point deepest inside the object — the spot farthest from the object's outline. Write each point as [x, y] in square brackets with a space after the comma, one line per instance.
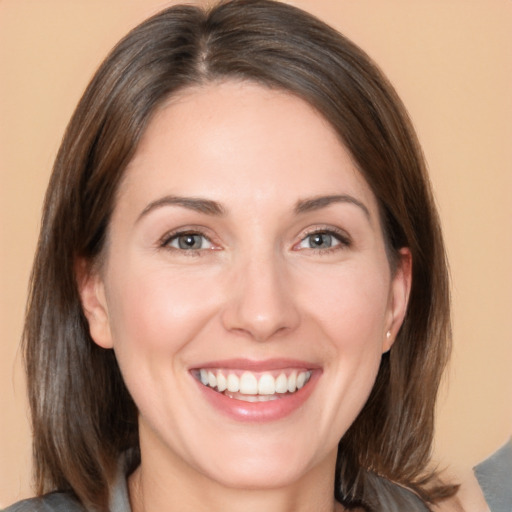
[258, 365]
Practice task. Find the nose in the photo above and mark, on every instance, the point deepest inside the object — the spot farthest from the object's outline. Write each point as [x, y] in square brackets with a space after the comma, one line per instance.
[260, 301]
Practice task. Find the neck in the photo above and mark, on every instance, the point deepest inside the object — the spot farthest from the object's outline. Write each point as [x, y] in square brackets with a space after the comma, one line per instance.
[145, 496]
[165, 484]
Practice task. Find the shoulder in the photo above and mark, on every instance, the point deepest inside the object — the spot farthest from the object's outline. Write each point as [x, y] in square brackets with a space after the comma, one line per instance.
[494, 478]
[53, 502]
[60, 501]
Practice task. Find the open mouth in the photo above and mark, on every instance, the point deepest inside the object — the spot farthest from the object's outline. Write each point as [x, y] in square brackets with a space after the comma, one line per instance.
[253, 386]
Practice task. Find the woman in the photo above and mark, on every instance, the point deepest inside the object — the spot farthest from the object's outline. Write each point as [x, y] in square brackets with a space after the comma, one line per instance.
[240, 296]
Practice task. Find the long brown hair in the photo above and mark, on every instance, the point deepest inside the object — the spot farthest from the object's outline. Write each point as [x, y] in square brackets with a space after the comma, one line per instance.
[83, 416]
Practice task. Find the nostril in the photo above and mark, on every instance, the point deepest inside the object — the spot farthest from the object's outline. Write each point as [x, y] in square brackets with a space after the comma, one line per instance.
[260, 331]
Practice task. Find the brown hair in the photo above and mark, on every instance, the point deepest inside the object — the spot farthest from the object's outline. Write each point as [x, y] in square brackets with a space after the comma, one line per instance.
[83, 417]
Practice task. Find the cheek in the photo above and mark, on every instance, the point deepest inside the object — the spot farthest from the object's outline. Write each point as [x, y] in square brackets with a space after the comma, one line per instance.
[155, 309]
[153, 315]
[351, 306]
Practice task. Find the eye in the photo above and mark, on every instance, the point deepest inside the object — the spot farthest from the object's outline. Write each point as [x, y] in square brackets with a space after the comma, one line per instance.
[323, 240]
[320, 241]
[188, 242]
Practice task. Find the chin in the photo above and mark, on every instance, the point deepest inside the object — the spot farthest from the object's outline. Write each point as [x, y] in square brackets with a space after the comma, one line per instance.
[261, 474]
[265, 467]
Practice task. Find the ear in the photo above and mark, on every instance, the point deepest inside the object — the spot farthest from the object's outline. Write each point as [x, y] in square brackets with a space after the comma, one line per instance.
[399, 297]
[94, 303]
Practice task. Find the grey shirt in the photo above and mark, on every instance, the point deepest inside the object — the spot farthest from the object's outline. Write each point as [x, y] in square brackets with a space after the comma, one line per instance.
[391, 499]
[381, 495]
[65, 502]
[495, 478]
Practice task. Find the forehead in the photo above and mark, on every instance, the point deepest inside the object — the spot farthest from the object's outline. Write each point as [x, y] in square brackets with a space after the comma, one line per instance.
[241, 140]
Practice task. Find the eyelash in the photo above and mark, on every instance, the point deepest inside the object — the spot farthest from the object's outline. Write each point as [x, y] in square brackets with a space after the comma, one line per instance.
[340, 237]
[168, 238]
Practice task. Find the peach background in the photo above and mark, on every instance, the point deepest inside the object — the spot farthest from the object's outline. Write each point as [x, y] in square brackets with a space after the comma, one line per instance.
[450, 60]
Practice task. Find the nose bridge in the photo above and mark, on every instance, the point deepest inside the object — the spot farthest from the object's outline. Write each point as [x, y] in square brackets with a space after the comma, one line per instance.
[260, 303]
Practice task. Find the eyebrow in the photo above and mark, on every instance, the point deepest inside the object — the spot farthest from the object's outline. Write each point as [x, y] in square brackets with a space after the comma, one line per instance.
[197, 204]
[209, 207]
[316, 203]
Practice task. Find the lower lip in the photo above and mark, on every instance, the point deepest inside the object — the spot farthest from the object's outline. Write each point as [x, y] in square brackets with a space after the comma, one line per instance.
[259, 412]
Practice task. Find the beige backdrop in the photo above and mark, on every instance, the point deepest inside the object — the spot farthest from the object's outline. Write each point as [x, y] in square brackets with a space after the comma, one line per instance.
[450, 60]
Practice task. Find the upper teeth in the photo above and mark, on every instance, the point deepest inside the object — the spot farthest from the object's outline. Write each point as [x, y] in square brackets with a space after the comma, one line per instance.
[249, 383]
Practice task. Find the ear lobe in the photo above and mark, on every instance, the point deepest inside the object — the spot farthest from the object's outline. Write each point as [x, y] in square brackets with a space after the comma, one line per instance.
[400, 290]
[94, 304]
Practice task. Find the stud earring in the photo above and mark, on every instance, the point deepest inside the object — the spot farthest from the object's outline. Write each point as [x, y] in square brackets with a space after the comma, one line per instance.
[388, 335]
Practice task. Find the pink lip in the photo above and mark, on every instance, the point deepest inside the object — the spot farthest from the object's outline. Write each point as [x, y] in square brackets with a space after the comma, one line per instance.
[258, 366]
[259, 412]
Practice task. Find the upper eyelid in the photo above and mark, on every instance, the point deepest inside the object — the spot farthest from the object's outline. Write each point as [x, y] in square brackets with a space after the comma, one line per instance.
[344, 240]
[326, 229]
[339, 233]
[188, 230]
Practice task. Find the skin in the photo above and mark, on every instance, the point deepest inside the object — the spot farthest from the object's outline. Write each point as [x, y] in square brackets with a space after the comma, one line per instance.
[256, 289]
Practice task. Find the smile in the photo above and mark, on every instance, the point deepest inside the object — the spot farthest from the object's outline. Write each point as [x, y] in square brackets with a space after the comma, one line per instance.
[254, 386]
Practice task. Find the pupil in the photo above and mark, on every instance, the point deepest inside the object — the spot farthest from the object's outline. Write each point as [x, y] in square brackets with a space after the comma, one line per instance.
[321, 240]
[190, 242]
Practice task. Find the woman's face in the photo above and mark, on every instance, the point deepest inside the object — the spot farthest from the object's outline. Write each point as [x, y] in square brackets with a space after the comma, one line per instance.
[246, 290]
